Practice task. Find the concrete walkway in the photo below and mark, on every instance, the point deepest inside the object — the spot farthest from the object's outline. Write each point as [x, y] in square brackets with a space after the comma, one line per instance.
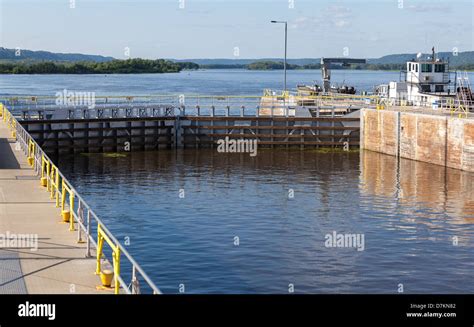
[58, 266]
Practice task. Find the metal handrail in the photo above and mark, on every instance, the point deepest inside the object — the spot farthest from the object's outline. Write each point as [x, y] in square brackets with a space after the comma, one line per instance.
[267, 93]
[152, 106]
[25, 139]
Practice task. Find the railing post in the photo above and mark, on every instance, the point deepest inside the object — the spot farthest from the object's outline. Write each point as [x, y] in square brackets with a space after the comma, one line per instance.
[100, 245]
[135, 282]
[51, 182]
[88, 246]
[48, 171]
[31, 153]
[63, 196]
[35, 164]
[57, 186]
[80, 220]
[44, 169]
[116, 261]
[71, 209]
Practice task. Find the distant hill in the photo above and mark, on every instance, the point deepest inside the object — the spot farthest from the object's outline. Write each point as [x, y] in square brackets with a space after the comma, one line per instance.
[247, 61]
[8, 55]
[462, 58]
[28, 55]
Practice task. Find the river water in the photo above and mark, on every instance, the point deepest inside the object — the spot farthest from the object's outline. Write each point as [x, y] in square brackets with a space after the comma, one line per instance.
[221, 82]
[182, 211]
[232, 223]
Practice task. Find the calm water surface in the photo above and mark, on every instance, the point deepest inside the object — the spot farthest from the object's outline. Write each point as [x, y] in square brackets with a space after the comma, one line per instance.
[223, 82]
[219, 82]
[409, 213]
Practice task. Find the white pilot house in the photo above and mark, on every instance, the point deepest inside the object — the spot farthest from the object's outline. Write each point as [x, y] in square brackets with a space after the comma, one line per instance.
[426, 82]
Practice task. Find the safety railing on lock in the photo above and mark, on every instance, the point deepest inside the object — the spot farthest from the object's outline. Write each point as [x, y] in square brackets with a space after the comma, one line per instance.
[443, 107]
[77, 213]
[110, 107]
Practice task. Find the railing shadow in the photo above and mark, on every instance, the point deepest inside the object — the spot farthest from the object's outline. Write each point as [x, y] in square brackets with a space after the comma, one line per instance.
[7, 159]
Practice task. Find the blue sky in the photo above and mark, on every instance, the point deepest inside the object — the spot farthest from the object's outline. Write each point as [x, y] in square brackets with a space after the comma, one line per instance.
[214, 28]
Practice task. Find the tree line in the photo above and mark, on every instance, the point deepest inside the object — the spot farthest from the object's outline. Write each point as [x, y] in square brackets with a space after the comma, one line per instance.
[140, 66]
[129, 66]
[277, 65]
[272, 65]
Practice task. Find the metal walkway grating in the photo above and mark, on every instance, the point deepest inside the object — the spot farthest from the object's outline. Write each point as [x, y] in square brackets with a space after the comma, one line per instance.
[11, 275]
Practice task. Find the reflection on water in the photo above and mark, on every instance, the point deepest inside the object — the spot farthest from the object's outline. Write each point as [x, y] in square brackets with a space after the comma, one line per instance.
[418, 183]
[409, 213]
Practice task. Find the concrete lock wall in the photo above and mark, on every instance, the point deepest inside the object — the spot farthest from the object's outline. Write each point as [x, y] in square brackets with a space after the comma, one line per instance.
[440, 140]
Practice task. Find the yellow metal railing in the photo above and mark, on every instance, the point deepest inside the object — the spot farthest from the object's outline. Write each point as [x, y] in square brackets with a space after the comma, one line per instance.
[8, 118]
[66, 213]
[379, 104]
[65, 197]
[31, 152]
[45, 171]
[53, 184]
[266, 93]
[101, 237]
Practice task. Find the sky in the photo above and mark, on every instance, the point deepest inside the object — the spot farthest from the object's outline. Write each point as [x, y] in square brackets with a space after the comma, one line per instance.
[183, 29]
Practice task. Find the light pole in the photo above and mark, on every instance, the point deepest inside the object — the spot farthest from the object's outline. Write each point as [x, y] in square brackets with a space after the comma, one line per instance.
[286, 42]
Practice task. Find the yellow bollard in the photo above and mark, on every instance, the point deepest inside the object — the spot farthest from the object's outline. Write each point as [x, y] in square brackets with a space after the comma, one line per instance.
[44, 181]
[106, 277]
[66, 215]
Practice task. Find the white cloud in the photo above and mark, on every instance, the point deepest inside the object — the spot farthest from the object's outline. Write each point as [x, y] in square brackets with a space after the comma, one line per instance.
[341, 23]
[334, 16]
[427, 8]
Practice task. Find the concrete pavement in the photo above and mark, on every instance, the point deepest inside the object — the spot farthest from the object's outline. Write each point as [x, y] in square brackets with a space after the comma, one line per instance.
[58, 265]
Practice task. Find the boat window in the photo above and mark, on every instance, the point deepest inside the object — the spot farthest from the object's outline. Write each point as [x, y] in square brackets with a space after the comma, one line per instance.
[425, 88]
[416, 68]
[409, 67]
[439, 68]
[439, 88]
[426, 68]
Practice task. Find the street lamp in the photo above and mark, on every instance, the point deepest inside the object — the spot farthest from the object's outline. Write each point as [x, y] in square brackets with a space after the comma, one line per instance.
[286, 41]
